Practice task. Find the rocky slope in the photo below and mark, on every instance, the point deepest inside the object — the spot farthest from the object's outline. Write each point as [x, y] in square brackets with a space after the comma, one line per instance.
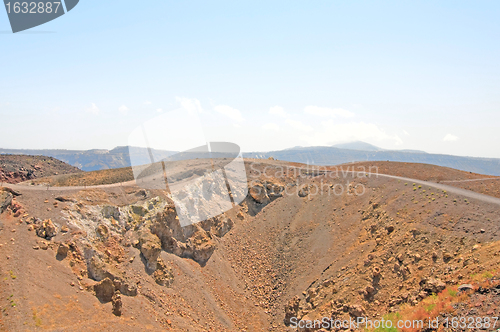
[19, 168]
[92, 160]
[303, 245]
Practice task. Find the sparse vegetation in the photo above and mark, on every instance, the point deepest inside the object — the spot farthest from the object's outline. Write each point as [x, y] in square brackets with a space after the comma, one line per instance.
[438, 304]
[94, 178]
[36, 319]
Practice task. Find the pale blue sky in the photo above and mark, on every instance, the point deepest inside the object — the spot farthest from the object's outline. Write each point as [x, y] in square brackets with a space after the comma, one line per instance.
[271, 74]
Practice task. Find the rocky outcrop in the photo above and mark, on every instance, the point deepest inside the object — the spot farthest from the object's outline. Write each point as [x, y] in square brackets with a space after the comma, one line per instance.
[107, 290]
[5, 200]
[116, 301]
[292, 309]
[163, 275]
[62, 251]
[465, 287]
[356, 310]
[432, 285]
[65, 199]
[167, 227]
[259, 194]
[46, 229]
[98, 269]
[191, 242]
[150, 247]
[200, 247]
[219, 226]
[104, 290]
[16, 177]
[10, 190]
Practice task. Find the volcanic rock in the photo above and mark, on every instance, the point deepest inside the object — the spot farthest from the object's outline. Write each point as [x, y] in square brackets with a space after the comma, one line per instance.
[104, 290]
[62, 251]
[150, 247]
[259, 194]
[163, 274]
[291, 309]
[5, 200]
[432, 285]
[46, 229]
[116, 300]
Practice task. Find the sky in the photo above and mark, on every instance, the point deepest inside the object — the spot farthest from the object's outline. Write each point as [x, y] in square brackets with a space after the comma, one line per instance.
[267, 75]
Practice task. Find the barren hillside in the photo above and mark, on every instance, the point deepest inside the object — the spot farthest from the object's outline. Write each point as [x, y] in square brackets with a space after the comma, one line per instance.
[484, 184]
[19, 168]
[303, 245]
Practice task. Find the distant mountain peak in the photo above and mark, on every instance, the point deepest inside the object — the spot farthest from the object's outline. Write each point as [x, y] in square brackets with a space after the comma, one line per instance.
[359, 146]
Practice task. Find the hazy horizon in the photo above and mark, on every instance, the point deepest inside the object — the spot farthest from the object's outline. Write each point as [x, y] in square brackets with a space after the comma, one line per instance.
[266, 151]
[419, 76]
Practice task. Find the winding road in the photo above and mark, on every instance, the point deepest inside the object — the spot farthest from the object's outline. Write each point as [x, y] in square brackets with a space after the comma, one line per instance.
[448, 188]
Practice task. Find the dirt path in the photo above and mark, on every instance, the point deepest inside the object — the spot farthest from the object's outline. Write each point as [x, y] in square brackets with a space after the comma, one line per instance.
[448, 188]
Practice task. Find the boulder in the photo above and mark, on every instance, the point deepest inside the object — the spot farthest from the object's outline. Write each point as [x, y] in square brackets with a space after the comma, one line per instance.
[11, 191]
[110, 211]
[116, 300]
[65, 199]
[46, 229]
[303, 192]
[292, 309]
[103, 231]
[356, 310]
[200, 246]
[98, 269]
[432, 285]
[126, 286]
[62, 251]
[193, 241]
[150, 247]
[222, 225]
[43, 245]
[5, 200]
[163, 274]
[104, 290]
[259, 194]
[465, 287]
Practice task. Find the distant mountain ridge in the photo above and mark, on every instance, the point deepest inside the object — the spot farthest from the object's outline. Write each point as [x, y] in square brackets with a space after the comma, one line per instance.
[91, 160]
[324, 155]
[363, 146]
[97, 159]
[358, 145]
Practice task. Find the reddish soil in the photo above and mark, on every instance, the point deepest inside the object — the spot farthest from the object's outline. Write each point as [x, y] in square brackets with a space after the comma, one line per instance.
[363, 249]
[17, 168]
[484, 184]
